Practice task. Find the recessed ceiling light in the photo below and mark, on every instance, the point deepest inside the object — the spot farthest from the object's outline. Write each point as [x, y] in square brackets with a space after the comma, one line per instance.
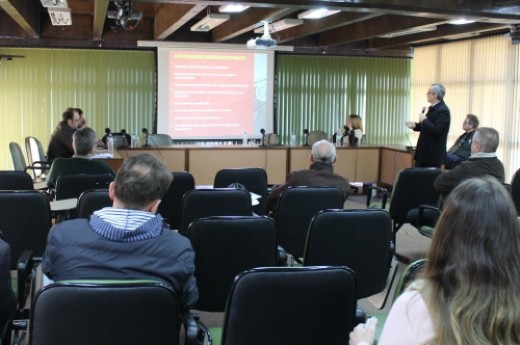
[461, 21]
[317, 13]
[281, 25]
[232, 8]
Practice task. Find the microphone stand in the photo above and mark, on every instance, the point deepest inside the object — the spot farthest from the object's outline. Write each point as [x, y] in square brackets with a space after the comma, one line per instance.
[146, 140]
[306, 139]
[263, 140]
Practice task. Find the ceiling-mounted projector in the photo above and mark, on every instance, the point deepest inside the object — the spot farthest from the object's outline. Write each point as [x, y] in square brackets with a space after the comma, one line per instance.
[264, 42]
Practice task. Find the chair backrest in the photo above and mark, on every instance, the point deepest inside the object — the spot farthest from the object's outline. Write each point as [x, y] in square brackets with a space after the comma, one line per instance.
[92, 200]
[272, 139]
[515, 190]
[295, 209]
[291, 305]
[103, 314]
[159, 140]
[25, 220]
[15, 180]
[358, 239]
[34, 150]
[254, 179]
[224, 247]
[170, 206]
[410, 273]
[71, 186]
[413, 187]
[19, 162]
[315, 136]
[201, 203]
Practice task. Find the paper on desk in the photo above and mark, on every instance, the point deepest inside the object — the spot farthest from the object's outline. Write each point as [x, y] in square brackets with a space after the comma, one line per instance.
[102, 155]
[254, 199]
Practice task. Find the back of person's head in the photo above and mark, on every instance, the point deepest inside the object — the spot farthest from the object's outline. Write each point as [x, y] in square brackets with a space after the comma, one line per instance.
[323, 151]
[473, 120]
[84, 141]
[488, 138]
[473, 271]
[141, 180]
[356, 121]
[68, 114]
[439, 90]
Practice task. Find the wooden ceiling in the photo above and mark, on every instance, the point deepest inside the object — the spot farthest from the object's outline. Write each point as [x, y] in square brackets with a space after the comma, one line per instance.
[356, 30]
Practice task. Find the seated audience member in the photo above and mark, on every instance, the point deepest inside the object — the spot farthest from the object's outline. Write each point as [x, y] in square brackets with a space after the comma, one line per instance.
[320, 173]
[82, 118]
[7, 297]
[461, 149]
[127, 240]
[60, 144]
[483, 161]
[468, 293]
[84, 142]
[352, 131]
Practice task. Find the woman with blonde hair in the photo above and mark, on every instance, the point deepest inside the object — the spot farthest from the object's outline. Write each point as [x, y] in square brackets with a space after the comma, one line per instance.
[468, 293]
[352, 130]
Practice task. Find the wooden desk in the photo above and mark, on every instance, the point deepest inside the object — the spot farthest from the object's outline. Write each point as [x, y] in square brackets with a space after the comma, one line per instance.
[358, 164]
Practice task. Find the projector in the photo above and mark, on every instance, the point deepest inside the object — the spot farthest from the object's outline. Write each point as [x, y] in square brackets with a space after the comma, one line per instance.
[261, 43]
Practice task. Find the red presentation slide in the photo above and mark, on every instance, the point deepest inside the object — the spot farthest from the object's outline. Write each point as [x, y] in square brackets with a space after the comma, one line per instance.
[210, 93]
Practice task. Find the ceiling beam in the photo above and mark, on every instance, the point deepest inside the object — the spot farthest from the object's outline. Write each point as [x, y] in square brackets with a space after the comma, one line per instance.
[171, 17]
[374, 27]
[24, 14]
[100, 15]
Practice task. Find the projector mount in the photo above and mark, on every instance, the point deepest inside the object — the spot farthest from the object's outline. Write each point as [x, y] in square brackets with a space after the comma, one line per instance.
[264, 42]
[124, 15]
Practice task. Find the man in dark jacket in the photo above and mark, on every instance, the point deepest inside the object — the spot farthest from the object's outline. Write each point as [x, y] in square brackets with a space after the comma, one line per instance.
[433, 126]
[320, 173]
[461, 149]
[127, 240]
[61, 139]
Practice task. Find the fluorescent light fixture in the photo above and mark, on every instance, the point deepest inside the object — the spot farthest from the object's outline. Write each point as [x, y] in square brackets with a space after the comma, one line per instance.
[280, 25]
[410, 31]
[317, 13]
[210, 22]
[60, 16]
[232, 8]
[461, 21]
[55, 3]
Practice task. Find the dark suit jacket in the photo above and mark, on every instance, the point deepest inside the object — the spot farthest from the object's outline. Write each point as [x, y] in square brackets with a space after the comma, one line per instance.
[431, 146]
[319, 174]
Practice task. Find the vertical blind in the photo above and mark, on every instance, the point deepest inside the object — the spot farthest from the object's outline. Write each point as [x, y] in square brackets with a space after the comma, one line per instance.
[319, 92]
[481, 77]
[115, 89]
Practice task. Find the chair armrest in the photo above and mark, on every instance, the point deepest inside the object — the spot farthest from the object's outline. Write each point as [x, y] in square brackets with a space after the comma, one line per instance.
[434, 212]
[381, 190]
[281, 256]
[195, 331]
[24, 267]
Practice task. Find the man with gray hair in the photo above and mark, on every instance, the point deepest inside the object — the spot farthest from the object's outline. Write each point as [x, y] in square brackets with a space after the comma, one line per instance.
[84, 141]
[320, 173]
[433, 125]
[483, 161]
[127, 240]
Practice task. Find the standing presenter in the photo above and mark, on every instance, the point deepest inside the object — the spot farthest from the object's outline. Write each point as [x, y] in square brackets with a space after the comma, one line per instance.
[433, 125]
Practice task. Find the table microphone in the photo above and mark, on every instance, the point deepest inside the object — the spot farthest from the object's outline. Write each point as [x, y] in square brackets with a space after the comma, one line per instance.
[306, 133]
[262, 131]
[145, 132]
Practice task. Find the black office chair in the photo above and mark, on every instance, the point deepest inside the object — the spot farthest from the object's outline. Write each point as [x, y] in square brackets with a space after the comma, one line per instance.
[170, 206]
[108, 313]
[315, 136]
[291, 305]
[71, 186]
[201, 203]
[92, 200]
[15, 180]
[413, 187]
[25, 220]
[295, 209]
[224, 247]
[410, 274]
[253, 179]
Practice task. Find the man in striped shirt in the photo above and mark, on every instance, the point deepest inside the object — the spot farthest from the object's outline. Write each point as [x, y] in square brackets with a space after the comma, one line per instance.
[127, 240]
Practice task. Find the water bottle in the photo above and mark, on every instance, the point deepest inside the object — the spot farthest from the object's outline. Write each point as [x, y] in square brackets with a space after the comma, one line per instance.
[134, 140]
[110, 144]
[244, 139]
[293, 139]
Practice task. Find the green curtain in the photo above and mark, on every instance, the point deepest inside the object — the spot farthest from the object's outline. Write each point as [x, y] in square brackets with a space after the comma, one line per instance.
[115, 89]
[319, 92]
